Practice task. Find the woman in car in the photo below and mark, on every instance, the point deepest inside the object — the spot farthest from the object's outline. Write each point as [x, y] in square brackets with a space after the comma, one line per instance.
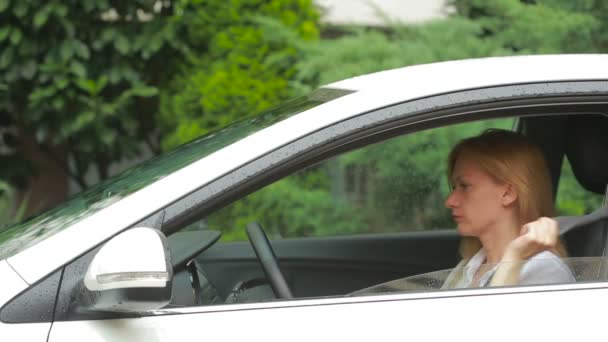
[501, 200]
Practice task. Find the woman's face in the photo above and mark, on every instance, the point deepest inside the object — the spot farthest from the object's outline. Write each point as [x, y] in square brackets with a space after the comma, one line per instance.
[477, 200]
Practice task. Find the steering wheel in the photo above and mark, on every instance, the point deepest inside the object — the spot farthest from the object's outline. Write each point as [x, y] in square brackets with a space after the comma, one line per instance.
[268, 260]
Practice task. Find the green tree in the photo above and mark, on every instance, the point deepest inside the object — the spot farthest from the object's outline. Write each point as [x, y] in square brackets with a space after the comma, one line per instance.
[8, 213]
[362, 50]
[543, 26]
[244, 63]
[79, 80]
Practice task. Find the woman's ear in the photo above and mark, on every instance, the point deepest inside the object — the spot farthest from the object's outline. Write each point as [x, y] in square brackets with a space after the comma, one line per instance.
[509, 195]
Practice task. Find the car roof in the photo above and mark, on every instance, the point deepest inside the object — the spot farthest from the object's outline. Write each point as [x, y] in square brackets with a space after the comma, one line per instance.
[454, 75]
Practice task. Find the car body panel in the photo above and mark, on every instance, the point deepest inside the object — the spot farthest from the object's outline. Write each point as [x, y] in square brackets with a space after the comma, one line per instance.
[439, 316]
[25, 332]
[437, 78]
[11, 283]
[449, 76]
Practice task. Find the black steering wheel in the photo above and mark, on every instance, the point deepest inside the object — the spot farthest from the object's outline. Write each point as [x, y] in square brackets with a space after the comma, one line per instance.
[268, 260]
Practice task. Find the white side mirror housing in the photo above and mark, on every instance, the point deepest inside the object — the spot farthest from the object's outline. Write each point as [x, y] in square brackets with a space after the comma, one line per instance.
[131, 273]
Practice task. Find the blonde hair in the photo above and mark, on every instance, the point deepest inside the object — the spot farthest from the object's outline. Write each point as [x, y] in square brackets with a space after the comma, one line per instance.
[509, 157]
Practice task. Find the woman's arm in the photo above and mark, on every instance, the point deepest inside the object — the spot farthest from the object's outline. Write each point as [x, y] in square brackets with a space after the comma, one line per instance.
[507, 273]
[535, 237]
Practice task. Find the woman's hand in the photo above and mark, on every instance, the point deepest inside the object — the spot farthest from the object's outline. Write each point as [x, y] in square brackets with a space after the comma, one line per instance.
[535, 237]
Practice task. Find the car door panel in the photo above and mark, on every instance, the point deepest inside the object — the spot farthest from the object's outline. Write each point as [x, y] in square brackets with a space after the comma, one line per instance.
[518, 315]
[25, 332]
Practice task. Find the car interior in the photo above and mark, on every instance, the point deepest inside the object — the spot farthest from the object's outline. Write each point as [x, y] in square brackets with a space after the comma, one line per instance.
[211, 272]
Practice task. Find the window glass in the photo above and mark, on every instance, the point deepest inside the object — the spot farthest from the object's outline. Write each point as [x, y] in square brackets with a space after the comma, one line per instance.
[540, 271]
[572, 198]
[393, 186]
[25, 234]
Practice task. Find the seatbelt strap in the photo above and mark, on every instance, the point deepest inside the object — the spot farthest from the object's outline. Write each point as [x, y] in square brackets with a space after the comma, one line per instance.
[567, 223]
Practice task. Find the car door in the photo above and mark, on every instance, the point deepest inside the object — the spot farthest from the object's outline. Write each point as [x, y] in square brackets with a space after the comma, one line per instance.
[331, 316]
[471, 315]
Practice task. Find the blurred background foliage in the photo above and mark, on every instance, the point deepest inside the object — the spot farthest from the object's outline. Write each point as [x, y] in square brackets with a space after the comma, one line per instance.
[86, 84]
[244, 66]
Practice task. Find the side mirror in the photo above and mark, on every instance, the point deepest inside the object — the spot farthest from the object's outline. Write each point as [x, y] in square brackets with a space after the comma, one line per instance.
[131, 273]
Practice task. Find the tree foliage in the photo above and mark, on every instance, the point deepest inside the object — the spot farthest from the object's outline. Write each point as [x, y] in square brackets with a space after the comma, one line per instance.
[549, 26]
[246, 64]
[79, 79]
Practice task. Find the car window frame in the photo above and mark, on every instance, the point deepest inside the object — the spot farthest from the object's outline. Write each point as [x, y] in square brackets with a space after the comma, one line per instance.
[366, 129]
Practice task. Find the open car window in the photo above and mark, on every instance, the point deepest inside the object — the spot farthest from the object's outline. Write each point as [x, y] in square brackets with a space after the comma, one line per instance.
[397, 185]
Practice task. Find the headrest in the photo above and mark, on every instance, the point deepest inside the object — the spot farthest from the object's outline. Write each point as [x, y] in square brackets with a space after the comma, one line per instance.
[587, 150]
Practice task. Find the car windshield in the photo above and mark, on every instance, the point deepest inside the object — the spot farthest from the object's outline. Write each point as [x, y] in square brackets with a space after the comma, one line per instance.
[20, 236]
[533, 272]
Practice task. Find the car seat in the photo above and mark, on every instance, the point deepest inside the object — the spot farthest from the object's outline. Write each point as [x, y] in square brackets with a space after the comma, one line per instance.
[587, 151]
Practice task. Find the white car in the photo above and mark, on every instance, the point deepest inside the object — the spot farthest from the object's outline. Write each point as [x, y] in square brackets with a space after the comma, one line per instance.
[349, 183]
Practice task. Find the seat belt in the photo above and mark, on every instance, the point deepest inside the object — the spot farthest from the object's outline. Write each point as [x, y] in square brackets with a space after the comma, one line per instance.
[567, 223]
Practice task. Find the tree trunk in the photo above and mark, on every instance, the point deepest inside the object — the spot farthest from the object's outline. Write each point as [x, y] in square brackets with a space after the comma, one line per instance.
[49, 185]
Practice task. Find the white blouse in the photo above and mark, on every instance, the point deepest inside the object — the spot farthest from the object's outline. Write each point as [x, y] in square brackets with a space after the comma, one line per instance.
[543, 268]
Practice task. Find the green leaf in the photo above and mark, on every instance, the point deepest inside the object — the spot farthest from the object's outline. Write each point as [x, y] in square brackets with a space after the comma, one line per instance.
[88, 86]
[28, 70]
[58, 103]
[16, 36]
[101, 83]
[66, 51]
[82, 50]
[115, 75]
[11, 75]
[78, 69]
[144, 91]
[61, 82]
[28, 47]
[98, 44]
[20, 8]
[41, 93]
[122, 44]
[88, 5]
[51, 67]
[6, 58]
[108, 34]
[82, 120]
[4, 5]
[68, 27]
[107, 136]
[4, 32]
[41, 17]
[60, 9]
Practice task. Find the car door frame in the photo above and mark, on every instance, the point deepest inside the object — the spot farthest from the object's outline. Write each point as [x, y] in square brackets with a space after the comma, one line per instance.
[536, 98]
